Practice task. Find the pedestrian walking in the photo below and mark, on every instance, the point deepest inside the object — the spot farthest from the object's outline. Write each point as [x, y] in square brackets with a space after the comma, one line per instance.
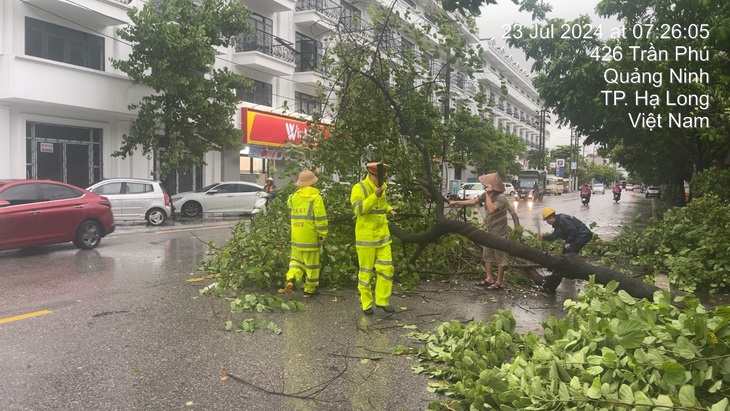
[308, 233]
[497, 206]
[372, 238]
[574, 233]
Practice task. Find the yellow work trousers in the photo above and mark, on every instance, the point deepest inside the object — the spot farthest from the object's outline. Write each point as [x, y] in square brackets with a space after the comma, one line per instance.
[377, 261]
[304, 262]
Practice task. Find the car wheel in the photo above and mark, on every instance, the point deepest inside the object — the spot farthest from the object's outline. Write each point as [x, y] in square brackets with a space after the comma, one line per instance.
[88, 235]
[192, 209]
[156, 217]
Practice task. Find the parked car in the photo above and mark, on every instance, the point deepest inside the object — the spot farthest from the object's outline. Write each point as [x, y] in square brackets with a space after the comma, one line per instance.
[471, 190]
[225, 197]
[653, 192]
[135, 199]
[599, 188]
[41, 212]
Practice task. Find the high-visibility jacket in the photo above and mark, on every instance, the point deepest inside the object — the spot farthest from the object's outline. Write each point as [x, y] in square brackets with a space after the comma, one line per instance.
[308, 218]
[371, 227]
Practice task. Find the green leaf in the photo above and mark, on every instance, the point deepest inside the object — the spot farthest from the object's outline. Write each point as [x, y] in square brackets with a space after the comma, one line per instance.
[687, 396]
[594, 391]
[625, 394]
[685, 348]
[674, 373]
[626, 297]
[721, 405]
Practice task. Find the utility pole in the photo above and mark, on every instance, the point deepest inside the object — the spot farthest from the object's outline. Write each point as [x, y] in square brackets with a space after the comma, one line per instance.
[574, 144]
[544, 118]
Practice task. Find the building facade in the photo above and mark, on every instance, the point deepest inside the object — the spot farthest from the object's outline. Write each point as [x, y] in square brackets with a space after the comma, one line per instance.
[64, 109]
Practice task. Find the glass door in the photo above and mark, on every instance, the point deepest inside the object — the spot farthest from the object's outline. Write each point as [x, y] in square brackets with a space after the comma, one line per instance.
[49, 160]
[77, 164]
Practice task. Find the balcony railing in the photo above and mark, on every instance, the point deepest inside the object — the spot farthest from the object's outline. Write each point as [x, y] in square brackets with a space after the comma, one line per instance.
[266, 43]
[324, 7]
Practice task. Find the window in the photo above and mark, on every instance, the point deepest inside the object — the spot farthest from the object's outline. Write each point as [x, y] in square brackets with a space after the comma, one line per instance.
[107, 189]
[350, 16]
[260, 93]
[51, 192]
[245, 188]
[306, 104]
[261, 40]
[407, 47]
[226, 188]
[460, 80]
[309, 53]
[139, 188]
[58, 43]
[20, 194]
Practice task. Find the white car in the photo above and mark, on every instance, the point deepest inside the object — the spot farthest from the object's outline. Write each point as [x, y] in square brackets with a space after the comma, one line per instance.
[471, 190]
[239, 197]
[599, 188]
[135, 199]
[509, 189]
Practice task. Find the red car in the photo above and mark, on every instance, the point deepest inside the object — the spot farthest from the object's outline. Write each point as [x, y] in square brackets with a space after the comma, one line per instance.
[40, 212]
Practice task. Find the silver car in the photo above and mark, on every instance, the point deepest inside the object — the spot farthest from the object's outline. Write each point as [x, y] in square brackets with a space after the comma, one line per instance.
[135, 199]
[226, 197]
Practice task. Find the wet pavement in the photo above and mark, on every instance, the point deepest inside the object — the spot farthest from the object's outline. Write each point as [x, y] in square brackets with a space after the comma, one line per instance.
[126, 329]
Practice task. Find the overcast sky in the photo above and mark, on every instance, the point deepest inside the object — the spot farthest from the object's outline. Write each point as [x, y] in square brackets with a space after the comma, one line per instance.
[494, 17]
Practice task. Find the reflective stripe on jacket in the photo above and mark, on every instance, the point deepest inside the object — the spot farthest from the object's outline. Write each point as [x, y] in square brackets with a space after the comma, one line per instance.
[308, 218]
[371, 227]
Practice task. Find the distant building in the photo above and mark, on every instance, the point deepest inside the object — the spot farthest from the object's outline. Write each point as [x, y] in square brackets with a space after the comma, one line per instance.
[63, 108]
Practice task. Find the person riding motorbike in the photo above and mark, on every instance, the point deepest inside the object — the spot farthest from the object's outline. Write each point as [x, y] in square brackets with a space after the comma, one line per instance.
[616, 192]
[585, 194]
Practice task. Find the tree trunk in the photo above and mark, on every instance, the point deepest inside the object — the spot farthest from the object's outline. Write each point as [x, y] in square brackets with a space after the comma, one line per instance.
[564, 266]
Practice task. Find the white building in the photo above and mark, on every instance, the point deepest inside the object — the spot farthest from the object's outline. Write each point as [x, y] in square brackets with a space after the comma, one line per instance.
[63, 108]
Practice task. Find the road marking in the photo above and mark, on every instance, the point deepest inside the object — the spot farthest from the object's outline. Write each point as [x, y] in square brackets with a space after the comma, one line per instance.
[24, 316]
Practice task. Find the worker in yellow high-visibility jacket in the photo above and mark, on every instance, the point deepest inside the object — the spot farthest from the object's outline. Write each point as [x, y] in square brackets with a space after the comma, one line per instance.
[372, 239]
[308, 232]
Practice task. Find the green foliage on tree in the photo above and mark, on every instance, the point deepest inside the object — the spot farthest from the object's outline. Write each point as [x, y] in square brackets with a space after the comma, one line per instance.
[191, 106]
[610, 351]
[712, 181]
[479, 144]
[571, 78]
[690, 245]
[388, 108]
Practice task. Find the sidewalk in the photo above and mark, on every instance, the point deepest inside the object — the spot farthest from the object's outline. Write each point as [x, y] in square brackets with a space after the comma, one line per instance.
[180, 222]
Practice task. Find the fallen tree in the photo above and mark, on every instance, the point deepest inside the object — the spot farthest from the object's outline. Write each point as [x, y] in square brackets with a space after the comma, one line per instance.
[569, 266]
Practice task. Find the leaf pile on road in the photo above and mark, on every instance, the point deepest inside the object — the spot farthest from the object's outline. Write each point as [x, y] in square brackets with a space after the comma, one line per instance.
[610, 351]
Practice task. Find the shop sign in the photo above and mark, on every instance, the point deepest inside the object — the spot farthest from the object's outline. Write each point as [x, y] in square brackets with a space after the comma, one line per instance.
[272, 130]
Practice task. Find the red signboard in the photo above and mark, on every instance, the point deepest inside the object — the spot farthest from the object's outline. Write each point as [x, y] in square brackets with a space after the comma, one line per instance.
[267, 129]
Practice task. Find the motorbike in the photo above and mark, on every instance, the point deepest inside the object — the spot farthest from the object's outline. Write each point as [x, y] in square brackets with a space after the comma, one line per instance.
[585, 198]
[616, 196]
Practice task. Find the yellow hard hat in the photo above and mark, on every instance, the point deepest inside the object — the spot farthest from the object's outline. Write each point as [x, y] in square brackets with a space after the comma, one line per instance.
[547, 212]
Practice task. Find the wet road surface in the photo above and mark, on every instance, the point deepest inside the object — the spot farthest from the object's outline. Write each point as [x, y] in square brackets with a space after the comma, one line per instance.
[124, 329]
